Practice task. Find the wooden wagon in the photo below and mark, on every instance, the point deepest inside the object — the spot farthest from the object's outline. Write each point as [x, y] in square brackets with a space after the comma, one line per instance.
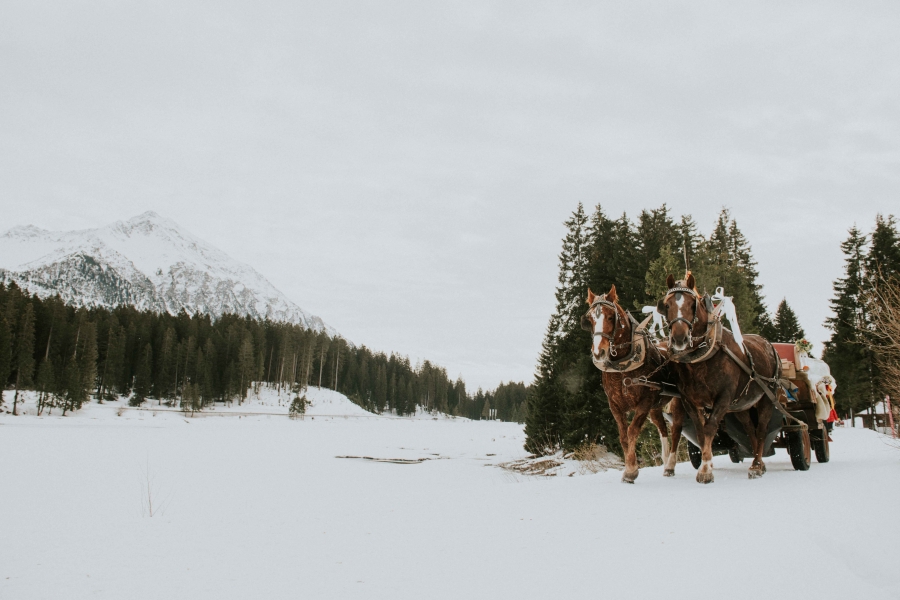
[801, 400]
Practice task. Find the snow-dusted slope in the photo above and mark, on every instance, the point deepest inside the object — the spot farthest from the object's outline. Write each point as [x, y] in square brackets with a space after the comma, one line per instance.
[148, 262]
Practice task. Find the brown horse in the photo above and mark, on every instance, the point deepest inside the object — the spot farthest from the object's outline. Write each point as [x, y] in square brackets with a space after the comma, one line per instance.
[624, 353]
[710, 380]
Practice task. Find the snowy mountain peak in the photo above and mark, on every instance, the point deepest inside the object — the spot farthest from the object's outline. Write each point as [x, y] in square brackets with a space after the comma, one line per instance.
[26, 232]
[147, 224]
[149, 262]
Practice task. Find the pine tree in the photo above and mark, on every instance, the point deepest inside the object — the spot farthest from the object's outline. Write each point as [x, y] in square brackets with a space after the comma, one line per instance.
[847, 352]
[88, 359]
[689, 242]
[245, 365]
[24, 354]
[381, 388]
[73, 390]
[786, 327]
[666, 263]
[883, 258]
[143, 376]
[6, 355]
[46, 383]
[725, 260]
[543, 425]
[168, 358]
[657, 238]
[614, 257]
[486, 410]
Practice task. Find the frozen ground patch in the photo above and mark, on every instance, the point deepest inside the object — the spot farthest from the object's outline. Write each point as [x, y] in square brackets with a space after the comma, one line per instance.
[260, 507]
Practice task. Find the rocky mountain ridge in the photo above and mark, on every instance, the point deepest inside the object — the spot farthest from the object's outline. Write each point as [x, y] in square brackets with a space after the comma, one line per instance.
[148, 262]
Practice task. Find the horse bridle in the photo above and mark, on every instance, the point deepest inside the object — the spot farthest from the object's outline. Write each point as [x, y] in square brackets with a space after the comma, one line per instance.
[690, 323]
[602, 301]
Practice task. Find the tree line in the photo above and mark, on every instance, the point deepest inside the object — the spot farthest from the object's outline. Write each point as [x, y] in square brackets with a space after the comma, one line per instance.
[567, 406]
[71, 356]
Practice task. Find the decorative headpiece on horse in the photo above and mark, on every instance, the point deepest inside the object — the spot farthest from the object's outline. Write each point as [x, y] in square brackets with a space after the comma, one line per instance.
[689, 288]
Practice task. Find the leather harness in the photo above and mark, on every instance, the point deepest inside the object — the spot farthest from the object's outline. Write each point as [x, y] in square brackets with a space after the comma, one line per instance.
[639, 341]
[712, 341]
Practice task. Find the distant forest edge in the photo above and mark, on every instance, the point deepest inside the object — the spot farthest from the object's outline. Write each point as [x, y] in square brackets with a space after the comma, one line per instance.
[73, 355]
[567, 407]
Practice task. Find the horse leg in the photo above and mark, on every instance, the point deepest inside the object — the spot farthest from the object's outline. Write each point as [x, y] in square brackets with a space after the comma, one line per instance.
[764, 409]
[710, 427]
[657, 417]
[622, 424]
[677, 422]
[744, 418]
[704, 473]
[634, 429]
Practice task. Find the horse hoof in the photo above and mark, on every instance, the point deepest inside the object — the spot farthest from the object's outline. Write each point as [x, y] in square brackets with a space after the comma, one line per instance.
[755, 473]
[669, 473]
[705, 477]
[629, 477]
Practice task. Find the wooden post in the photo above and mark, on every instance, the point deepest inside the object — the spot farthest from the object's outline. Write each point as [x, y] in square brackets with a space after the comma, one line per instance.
[890, 412]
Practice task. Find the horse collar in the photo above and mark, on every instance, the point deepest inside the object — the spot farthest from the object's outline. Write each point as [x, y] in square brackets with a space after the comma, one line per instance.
[712, 339]
[635, 358]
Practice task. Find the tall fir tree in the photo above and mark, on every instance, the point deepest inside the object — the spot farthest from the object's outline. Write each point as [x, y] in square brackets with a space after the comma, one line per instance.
[657, 237]
[847, 352]
[725, 260]
[883, 258]
[143, 377]
[786, 326]
[6, 354]
[655, 280]
[24, 353]
[88, 359]
[546, 405]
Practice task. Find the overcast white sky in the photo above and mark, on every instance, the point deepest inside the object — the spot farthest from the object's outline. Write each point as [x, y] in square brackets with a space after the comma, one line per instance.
[403, 169]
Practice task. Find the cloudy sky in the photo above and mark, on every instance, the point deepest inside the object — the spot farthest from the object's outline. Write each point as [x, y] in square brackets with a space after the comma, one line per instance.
[403, 169]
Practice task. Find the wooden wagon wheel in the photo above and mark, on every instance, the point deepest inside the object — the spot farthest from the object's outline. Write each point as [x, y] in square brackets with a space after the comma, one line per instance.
[823, 451]
[800, 449]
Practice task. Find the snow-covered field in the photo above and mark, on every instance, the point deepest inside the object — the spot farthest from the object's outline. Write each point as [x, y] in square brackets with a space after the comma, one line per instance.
[258, 506]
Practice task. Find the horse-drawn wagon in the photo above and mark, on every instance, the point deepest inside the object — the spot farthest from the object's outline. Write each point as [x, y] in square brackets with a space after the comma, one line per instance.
[806, 400]
[741, 394]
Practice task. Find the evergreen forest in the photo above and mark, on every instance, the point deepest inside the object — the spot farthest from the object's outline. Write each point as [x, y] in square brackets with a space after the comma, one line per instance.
[71, 356]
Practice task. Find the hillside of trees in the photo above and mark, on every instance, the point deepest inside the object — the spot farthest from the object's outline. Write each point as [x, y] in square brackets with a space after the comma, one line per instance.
[72, 356]
[568, 407]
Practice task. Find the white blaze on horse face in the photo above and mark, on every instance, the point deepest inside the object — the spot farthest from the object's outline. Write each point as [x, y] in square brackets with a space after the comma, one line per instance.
[598, 328]
[680, 312]
[679, 302]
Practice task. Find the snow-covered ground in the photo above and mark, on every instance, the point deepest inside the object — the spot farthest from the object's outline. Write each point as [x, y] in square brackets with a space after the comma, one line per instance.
[260, 506]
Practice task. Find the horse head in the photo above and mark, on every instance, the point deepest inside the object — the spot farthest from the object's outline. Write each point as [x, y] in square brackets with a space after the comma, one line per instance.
[605, 320]
[684, 311]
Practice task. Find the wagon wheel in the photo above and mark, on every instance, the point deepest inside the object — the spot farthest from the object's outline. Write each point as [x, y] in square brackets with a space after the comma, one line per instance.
[735, 455]
[799, 448]
[695, 454]
[823, 451]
